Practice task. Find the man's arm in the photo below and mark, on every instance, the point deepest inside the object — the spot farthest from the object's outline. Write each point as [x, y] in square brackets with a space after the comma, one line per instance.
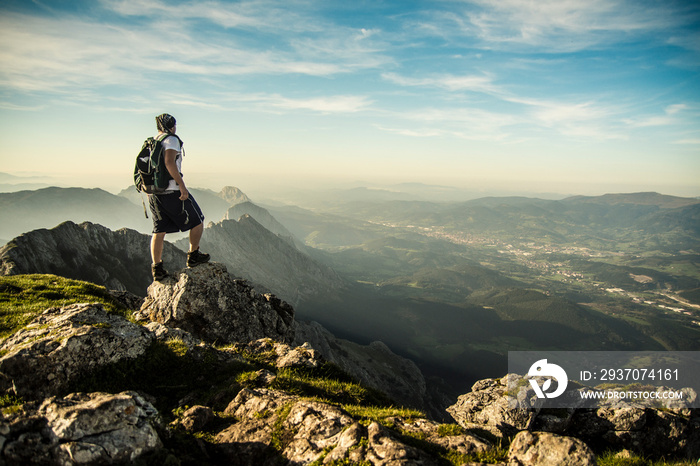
[170, 155]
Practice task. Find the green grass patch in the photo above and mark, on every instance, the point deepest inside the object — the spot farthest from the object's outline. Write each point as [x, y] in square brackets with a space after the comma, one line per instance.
[495, 455]
[381, 414]
[327, 383]
[281, 437]
[23, 297]
[610, 458]
[450, 430]
[9, 403]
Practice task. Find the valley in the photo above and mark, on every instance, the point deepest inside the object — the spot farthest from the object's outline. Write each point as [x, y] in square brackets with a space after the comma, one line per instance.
[568, 267]
[456, 286]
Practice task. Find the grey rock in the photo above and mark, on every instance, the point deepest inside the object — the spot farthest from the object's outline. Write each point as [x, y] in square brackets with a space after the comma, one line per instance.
[466, 443]
[63, 344]
[257, 403]
[488, 407]
[645, 431]
[164, 333]
[309, 431]
[546, 449]
[94, 428]
[670, 430]
[195, 418]
[385, 449]
[281, 354]
[207, 302]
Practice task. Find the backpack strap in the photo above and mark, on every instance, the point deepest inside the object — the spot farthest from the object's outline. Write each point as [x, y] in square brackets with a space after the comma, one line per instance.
[161, 137]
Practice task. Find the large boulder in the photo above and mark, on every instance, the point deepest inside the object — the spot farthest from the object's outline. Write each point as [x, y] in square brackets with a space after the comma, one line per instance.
[489, 407]
[646, 431]
[94, 428]
[63, 344]
[207, 302]
[306, 431]
[545, 449]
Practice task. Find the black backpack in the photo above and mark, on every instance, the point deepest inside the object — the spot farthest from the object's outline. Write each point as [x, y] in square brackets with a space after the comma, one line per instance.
[150, 174]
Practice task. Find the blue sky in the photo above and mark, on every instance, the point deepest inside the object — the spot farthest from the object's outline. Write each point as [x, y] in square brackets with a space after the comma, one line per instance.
[561, 96]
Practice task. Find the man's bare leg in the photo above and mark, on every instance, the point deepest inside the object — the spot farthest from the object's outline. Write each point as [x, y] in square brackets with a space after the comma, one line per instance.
[195, 237]
[157, 247]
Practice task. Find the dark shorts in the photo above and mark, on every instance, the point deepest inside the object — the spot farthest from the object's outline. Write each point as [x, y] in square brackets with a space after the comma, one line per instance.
[171, 215]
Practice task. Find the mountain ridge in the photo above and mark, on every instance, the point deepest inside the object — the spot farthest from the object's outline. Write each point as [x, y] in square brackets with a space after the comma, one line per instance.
[252, 251]
[117, 259]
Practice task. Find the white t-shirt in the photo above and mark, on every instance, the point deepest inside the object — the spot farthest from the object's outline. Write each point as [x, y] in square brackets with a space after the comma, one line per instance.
[171, 142]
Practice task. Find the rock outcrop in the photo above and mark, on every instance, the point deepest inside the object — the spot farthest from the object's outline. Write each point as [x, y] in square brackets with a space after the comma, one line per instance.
[64, 344]
[259, 424]
[313, 431]
[207, 302]
[672, 430]
[487, 407]
[89, 429]
[119, 260]
[545, 449]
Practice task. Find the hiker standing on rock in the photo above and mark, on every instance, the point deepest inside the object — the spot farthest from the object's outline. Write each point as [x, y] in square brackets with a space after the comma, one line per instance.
[176, 209]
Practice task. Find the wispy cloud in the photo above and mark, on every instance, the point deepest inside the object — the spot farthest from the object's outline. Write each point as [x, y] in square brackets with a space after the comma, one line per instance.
[694, 141]
[277, 103]
[474, 83]
[669, 117]
[65, 52]
[578, 119]
[21, 108]
[328, 104]
[556, 25]
[464, 123]
[257, 14]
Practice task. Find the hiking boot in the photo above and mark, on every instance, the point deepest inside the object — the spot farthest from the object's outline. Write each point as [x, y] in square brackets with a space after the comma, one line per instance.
[195, 258]
[158, 271]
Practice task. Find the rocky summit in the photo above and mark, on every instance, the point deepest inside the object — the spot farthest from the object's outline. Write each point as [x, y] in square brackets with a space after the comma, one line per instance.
[207, 302]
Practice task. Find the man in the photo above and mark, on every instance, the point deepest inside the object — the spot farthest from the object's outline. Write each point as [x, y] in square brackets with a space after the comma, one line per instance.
[176, 209]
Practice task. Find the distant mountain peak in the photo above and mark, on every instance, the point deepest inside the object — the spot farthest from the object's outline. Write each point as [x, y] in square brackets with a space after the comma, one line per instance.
[233, 195]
